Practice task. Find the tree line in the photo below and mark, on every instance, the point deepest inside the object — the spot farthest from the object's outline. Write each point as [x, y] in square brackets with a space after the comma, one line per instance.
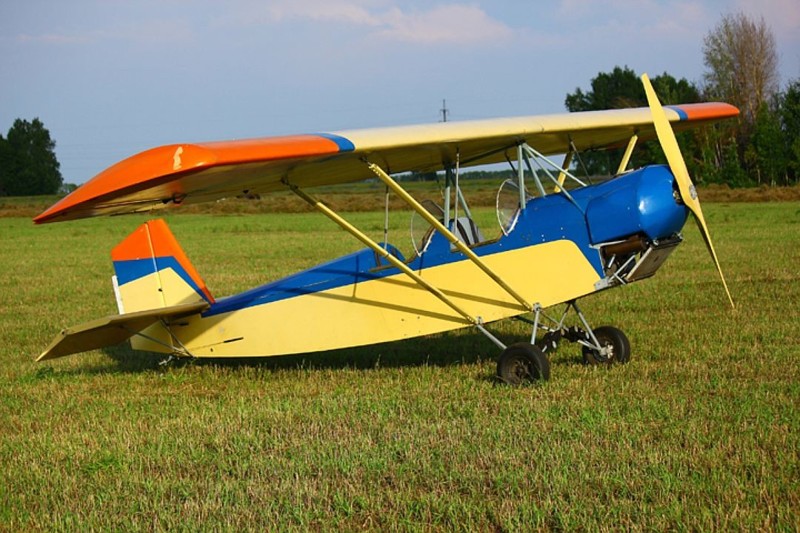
[762, 146]
[28, 164]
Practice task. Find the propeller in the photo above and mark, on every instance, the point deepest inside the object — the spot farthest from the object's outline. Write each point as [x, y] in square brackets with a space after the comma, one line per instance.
[678, 167]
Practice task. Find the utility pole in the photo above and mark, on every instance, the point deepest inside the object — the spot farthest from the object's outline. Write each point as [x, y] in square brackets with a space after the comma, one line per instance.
[444, 110]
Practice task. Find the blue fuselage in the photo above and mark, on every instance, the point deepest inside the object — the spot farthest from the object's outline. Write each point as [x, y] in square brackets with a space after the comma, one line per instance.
[642, 201]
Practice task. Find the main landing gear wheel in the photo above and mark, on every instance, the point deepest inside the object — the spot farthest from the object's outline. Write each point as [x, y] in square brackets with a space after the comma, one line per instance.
[616, 347]
[522, 362]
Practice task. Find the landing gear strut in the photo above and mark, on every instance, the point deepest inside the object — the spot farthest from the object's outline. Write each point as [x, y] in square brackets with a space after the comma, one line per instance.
[523, 362]
[614, 347]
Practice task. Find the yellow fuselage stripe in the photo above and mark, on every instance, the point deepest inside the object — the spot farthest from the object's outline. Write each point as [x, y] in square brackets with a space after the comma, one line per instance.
[391, 308]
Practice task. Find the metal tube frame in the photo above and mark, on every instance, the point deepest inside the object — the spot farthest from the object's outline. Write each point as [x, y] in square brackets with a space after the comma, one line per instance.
[537, 322]
[622, 268]
[180, 351]
[355, 232]
[459, 196]
[541, 157]
[521, 179]
[577, 153]
[460, 246]
[537, 157]
[386, 221]
[589, 331]
[536, 179]
[448, 177]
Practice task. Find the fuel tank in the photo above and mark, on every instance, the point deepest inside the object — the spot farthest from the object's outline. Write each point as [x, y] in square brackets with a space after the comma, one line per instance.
[641, 201]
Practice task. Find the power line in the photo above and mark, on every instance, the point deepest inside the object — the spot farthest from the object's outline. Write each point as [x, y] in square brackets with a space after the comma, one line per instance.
[444, 110]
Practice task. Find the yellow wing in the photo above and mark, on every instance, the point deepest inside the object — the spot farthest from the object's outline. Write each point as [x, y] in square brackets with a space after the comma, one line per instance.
[193, 173]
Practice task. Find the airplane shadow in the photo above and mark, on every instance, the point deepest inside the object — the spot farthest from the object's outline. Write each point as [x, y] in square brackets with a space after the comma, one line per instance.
[438, 350]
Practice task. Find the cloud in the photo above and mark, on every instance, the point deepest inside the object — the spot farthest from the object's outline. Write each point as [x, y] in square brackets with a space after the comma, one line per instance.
[452, 23]
[644, 18]
[686, 18]
[53, 39]
[325, 11]
[150, 31]
[783, 16]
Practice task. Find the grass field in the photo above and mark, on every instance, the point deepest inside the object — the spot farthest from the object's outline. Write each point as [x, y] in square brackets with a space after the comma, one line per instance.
[701, 431]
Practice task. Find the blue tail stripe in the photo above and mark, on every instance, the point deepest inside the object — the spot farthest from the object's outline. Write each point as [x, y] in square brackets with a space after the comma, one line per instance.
[133, 269]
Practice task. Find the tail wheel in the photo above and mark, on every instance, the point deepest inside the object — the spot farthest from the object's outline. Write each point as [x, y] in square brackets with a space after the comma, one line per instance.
[616, 347]
[523, 362]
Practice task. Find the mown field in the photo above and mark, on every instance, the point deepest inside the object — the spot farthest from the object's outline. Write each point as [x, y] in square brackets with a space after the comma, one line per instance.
[701, 431]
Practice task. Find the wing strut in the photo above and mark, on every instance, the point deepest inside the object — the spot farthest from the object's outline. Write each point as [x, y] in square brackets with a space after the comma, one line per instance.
[628, 152]
[562, 176]
[378, 249]
[460, 246]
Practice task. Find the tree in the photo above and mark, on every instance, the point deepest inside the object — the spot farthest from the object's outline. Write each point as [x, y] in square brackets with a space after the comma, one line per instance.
[716, 158]
[790, 125]
[767, 150]
[422, 176]
[28, 164]
[617, 89]
[67, 188]
[742, 64]
[622, 88]
[5, 164]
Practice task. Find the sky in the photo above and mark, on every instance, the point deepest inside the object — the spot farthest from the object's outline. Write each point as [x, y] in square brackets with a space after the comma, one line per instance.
[110, 78]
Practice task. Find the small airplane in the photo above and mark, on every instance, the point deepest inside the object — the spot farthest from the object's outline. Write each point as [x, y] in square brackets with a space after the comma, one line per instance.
[566, 241]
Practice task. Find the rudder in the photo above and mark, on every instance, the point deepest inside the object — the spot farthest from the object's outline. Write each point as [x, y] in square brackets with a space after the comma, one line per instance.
[152, 271]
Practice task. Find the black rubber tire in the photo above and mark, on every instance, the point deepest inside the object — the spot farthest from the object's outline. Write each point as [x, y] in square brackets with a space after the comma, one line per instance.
[522, 362]
[613, 338]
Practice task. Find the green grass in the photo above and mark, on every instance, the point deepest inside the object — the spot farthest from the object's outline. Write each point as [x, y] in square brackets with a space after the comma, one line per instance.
[699, 432]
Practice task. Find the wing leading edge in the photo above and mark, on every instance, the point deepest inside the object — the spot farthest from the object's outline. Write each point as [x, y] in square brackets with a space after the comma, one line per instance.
[193, 173]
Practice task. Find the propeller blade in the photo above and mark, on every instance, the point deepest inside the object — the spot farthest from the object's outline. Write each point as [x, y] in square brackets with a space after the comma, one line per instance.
[678, 167]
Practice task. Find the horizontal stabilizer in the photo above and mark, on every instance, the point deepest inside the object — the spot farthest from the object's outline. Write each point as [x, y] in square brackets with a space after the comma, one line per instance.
[111, 330]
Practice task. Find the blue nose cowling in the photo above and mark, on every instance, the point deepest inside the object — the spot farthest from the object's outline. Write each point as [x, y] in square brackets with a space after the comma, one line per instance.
[641, 201]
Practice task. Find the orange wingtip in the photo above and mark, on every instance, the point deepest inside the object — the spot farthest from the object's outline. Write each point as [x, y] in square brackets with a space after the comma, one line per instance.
[704, 111]
[169, 163]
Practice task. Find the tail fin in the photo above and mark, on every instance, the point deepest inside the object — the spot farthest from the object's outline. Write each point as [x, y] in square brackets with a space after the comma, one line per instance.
[153, 272]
